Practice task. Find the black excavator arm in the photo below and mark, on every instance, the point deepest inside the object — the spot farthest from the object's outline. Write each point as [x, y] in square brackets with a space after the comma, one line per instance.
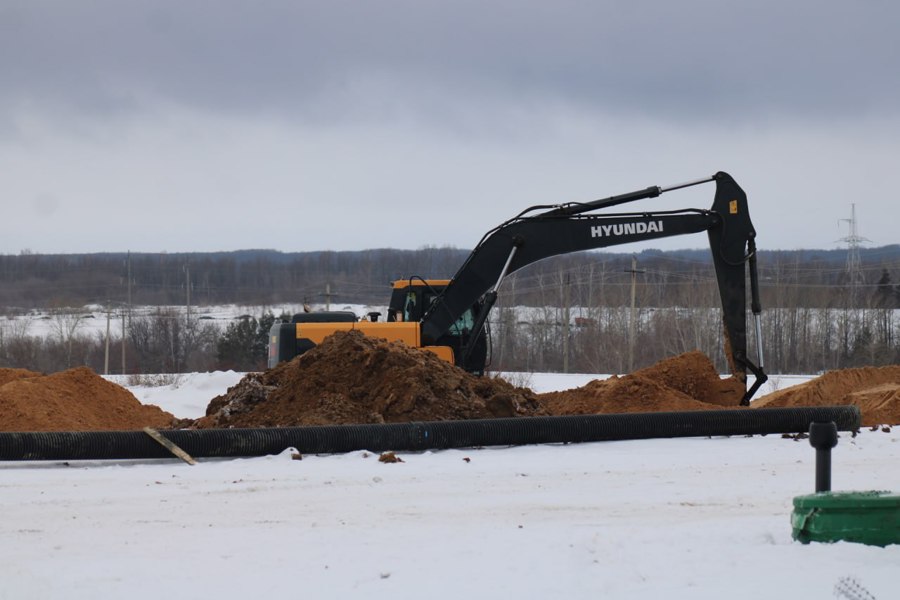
[544, 231]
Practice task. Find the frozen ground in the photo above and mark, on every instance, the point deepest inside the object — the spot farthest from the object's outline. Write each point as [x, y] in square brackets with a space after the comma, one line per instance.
[686, 518]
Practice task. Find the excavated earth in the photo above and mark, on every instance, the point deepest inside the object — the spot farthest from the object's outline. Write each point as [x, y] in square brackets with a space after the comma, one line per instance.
[73, 400]
[7, 375]
[875, 390]
[351, 378]
[685, 382]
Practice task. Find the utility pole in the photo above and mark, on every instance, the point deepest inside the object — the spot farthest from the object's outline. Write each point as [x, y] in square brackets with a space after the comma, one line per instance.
[631, 321]
[128, 281]
[566, 317]
[106, 350]
[328, 295]
[187, 285]
[124, 371]
[127, 310]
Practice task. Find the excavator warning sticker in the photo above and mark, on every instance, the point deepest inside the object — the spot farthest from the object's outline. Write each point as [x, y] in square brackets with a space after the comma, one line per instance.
[732, 207]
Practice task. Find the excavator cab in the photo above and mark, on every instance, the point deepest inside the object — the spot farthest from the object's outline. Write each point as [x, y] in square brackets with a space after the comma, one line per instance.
[412, 298]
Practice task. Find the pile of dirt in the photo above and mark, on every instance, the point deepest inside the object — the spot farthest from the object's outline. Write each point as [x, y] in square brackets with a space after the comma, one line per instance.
[875, 390]
[685, 382]
[353, 378]
[7, 375]
[694, 374]
[73, 400]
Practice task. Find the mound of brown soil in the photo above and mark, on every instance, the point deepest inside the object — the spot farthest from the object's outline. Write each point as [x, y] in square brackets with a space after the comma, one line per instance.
[694, 375]
[685, 382]
[7, 375]
[875, 390]
[353, 378]
[74, 400]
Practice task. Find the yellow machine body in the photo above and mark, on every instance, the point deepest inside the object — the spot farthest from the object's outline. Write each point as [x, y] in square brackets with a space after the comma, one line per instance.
[407, 332]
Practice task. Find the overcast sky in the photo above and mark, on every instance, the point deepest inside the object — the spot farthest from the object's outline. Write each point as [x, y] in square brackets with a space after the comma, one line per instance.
[180, 125]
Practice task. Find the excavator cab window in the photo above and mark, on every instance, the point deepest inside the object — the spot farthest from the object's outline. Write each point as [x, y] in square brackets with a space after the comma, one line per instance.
[464, 324]
[409, 307]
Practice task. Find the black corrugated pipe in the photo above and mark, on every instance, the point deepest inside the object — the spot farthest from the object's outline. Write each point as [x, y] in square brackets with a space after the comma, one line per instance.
[98, 445]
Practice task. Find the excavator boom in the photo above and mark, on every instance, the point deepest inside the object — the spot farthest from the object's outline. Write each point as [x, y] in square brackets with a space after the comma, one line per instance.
[532, 236]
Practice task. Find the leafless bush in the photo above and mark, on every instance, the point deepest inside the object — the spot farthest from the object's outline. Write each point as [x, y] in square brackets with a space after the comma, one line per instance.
[169, 342]
[518, 379]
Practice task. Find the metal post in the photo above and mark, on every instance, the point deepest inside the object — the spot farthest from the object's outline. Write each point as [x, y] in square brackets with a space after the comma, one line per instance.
[823, 437]
[187, 285]
[631, 321]
[566, 318]
[123, 343]
[106, 345]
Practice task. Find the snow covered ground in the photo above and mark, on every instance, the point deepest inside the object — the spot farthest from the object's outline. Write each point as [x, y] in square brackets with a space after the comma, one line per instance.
[684, 518]
[92, 320]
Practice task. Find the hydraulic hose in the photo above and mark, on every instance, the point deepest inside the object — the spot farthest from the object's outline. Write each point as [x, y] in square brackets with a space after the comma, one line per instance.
[207, 443]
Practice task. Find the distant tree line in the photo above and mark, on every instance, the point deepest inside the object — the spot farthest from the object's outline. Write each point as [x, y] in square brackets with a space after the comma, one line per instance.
[265, 277]
[570, 313]
[246, 277]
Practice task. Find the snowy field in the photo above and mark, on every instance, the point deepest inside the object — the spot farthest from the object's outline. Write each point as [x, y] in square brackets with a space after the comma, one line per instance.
[92, 320]
[684, 518]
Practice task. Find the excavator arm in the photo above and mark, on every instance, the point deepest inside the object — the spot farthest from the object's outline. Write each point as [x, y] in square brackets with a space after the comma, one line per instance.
[544, 231]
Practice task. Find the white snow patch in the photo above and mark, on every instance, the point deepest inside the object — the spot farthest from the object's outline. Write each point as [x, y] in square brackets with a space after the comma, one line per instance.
[683, 518]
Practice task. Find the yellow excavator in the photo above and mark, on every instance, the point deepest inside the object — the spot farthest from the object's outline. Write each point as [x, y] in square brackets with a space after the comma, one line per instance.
[448, 317]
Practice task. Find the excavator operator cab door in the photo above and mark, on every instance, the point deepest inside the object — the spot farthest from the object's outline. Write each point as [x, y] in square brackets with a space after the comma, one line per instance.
[411, 310]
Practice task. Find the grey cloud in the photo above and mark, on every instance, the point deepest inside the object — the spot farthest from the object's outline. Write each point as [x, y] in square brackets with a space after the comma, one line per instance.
[695, 59]
[123, 121]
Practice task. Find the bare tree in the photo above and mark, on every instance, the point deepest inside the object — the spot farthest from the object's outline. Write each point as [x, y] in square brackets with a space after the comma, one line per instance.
[65, 323]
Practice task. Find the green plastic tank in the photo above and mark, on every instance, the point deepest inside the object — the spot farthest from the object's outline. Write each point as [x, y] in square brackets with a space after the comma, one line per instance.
[871, 518]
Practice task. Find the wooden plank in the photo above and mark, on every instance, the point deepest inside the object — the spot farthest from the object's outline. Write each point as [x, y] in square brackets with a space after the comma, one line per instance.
[170, 445]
